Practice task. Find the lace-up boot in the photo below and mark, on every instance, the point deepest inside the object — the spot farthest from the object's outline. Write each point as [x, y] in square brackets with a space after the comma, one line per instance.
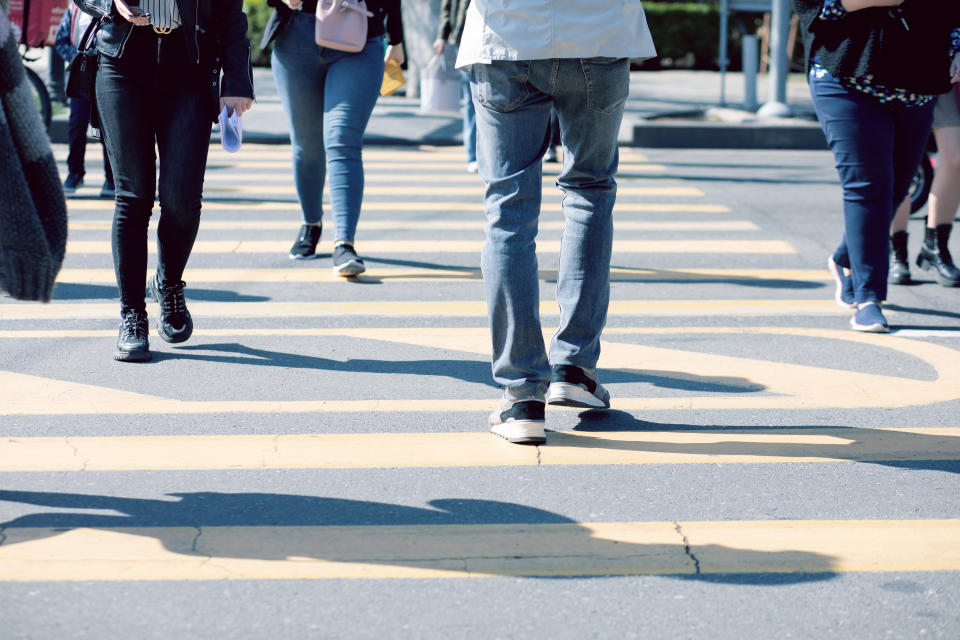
[175, 324]
[133, 344]
[934, 254]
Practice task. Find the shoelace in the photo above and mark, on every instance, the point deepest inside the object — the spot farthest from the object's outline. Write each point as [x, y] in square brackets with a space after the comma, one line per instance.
[136, 324]
[171, 298]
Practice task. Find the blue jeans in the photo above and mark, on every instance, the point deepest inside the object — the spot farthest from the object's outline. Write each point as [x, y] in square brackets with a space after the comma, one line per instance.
[469, 120]
[328, 96]
[513, 102]
[876, 149]
[142, 103]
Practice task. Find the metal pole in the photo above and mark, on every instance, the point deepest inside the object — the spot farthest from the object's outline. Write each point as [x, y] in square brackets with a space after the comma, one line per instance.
[722, 60]
[751, 62]
[776, 106]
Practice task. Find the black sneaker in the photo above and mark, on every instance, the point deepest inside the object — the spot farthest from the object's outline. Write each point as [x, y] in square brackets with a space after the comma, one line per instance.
[519, 421]
[133, 344]
[175, 324]
[572, 386]
[305, 248]
[346, 262]
[72, 183]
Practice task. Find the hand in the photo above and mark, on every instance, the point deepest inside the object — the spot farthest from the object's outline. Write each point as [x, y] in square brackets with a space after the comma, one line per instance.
[438, 46]
[955, 69]
[236, 104]
[394, 52]
[294, 4]
[138, 19]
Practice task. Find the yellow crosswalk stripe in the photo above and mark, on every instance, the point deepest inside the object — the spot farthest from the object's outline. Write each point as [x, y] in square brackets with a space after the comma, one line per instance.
[391, 450]
[424, 308]
[371, 166]
[370, 247]
[274, 206]
[473, 223]
[460, 551]
[407, 190]
[617, 274]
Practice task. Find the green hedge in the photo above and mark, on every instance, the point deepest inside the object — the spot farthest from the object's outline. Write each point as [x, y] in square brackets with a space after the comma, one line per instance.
[686, 33]
[257, 15]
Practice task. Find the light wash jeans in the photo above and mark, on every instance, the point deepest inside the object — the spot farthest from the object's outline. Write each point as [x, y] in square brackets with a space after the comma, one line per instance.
[469, 120]
[513, 101]
[328, 96]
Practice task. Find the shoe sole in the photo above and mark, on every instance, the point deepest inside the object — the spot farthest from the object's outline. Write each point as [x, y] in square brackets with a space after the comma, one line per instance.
[348, 269]
[869, 328]
[180, 337]
[521, 431]
[132, 356]
[564, 394]
[838, 279]
[294, 256]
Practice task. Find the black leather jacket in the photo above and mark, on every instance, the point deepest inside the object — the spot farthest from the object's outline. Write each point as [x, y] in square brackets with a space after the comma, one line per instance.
[216, 38]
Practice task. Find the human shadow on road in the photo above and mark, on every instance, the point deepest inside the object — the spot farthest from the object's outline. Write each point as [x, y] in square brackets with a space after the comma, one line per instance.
[885, 447]
[78, 291]
[461, 535]
[468, 370]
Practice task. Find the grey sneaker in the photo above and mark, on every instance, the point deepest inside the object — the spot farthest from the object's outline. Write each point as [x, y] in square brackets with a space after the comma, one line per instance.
[305, 246]
[346, 262]
[572, 386]
[519, 421]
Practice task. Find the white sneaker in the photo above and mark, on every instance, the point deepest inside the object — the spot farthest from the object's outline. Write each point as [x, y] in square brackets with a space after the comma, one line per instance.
[519, 421]
[472, 167]
[572, 386]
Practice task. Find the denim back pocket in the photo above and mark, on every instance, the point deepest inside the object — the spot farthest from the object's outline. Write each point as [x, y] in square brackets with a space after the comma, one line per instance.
[608, 83]
[502, 85]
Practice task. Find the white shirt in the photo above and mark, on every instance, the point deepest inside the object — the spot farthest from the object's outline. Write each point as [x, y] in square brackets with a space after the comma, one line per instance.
[539, 29]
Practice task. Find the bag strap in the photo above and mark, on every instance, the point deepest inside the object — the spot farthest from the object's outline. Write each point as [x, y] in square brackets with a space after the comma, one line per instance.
[87, 40]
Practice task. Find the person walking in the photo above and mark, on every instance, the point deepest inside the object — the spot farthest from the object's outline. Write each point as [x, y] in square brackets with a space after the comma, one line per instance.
[875, 105]
[942, 205]
[524, 58]
[452, 16]
[158, 86]
[73, 25]
[328, 96]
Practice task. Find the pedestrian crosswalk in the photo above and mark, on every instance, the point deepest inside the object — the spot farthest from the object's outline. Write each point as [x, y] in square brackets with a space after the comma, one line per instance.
[389, 371]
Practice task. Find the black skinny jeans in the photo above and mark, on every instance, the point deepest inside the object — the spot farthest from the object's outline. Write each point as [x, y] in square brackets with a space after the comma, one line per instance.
[152, 97]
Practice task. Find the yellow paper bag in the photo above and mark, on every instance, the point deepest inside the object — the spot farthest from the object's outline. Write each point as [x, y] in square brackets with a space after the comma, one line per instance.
[392, 78]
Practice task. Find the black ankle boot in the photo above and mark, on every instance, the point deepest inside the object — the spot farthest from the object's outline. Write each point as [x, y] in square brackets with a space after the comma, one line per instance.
[935, 254]
[899, 265]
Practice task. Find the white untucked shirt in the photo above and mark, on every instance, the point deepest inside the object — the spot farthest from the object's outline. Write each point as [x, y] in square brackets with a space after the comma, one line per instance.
[539, 29]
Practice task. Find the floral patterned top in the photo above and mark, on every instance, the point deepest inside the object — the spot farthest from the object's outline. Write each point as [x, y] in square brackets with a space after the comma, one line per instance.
[833, 10]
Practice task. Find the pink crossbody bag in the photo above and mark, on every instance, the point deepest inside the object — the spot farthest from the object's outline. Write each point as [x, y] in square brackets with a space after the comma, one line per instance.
[342, 24]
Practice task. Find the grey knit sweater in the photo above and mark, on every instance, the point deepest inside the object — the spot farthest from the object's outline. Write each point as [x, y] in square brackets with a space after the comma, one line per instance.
[33, 214]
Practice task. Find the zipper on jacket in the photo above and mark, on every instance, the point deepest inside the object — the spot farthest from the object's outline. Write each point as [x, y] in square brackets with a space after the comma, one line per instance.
[158, 50]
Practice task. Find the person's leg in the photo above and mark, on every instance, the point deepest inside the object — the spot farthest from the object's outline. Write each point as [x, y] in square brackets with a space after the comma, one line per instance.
[589, 102]
[350, 93]
[942, 208]
[469, 124]
[860, 132]
[183, 139]
[134, 168]
[77, 139]
[512, 136]
[299, 73]
[899, 263]
[108, 190]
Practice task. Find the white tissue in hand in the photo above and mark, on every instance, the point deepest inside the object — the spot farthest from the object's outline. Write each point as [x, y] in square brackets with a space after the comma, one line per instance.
[231, 131]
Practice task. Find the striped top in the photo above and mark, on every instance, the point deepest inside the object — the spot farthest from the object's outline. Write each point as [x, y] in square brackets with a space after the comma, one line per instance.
[164, 14]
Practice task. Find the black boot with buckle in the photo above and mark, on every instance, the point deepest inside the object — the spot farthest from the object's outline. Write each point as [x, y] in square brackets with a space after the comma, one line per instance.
[935, 254]
[899, 264]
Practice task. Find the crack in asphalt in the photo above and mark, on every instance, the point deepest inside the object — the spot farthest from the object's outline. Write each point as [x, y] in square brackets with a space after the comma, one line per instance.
[76, 453]
[686, 548]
